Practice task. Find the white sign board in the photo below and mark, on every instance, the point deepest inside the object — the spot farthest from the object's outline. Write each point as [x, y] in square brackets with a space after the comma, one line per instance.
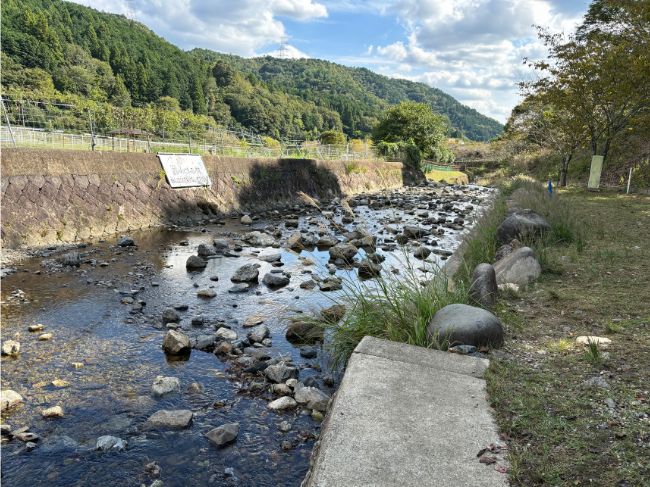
[184, 170]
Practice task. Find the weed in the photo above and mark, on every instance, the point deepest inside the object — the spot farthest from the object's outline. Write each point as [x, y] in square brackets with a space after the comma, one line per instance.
[612, 327]
[592, 353]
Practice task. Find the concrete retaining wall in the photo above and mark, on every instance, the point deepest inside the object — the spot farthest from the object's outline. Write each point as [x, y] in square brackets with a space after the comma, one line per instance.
[66, 196]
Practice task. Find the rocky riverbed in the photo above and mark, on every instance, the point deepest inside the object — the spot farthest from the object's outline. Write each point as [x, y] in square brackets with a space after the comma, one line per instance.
[164, 356]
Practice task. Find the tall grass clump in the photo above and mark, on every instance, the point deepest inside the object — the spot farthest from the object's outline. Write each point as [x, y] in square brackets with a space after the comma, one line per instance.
[566, 227]
[392, 307]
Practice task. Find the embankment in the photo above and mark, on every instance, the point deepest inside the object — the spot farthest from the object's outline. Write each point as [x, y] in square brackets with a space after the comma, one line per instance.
[65, 196]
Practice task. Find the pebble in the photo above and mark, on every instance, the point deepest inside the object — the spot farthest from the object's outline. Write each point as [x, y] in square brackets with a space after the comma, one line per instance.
[53, 412]
[10, 348]
[285, 402]
[35, 328]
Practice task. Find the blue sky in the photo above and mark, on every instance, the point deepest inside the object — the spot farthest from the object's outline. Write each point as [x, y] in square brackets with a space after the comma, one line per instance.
[471, 49]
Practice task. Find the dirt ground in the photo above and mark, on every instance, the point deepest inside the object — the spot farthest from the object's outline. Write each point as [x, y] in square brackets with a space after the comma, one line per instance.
[576, 415]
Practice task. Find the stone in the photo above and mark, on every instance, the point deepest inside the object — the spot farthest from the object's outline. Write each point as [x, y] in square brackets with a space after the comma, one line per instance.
[72, 259]
[312, 397]
[165, 385]
[246, 220]
[280, 372]
[294, 241]
[205, 342]
[412, 232]
[176, 343]
[302, 332]
[170, 419]
[126, 241]
[258, 239]
[343, 251]
[522, 225]
[463, 349]
[9, 399]
[45, 337]
[422, 252]
[308, 284]
[220, 244]
[10, 348]
[206, 293]
[26, 436]
[326, 242]
[270, 255]
[519, 267]
[53, 412]
[285, 426]
[259, 333]
[331, 283]
[242, 287]
[248, 273]
[596, 381]
[110, 443]
[275, 280]
[35, 328]
[602, 342]
[282, 403]
[206, 251]
[224, 434]
[170, 315]
[465, 325]
[281, 390]
[194, 262]
[484, 290]
[308, 352]
[368, 269]
[333, 313]
[223, 348]
[224, 333]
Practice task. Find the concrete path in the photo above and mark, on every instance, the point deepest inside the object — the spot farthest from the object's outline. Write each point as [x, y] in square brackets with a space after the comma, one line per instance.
[407, 416]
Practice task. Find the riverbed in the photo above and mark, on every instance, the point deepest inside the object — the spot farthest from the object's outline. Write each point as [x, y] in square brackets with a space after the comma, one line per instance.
[104, 313]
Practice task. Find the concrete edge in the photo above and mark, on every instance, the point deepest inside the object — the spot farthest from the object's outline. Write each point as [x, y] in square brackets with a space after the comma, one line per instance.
[426, 357]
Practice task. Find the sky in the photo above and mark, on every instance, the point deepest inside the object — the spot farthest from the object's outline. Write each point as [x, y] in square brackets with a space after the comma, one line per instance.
[471, 49]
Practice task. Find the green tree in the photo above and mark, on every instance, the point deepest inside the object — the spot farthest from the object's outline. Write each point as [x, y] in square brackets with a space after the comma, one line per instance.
[332, 137]
[417, 127]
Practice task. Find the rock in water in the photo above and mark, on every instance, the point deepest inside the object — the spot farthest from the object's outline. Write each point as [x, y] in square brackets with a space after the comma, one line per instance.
[126, 241]
[280, 372]
[483, 290]
[176, 343]
[11, 348]
[519, 267]
[206, 251]
[411, 232]
[170, 316]
[108, 443]
[312, 397]
[246, 220]
[170, 419]
[368, 269]
[259, 333]
[522, 224]
[343, 251]
[206, 293]
[226, 334]
[224, 434]
[285, 402]
[422, 252]
[194, 262]
[9, 399]
[270, 255]
[466, 325]
[246, 273]
[258, 239]
[304, 332]
[165, 385]
[53, 412]
[275, 281]
[334, 313]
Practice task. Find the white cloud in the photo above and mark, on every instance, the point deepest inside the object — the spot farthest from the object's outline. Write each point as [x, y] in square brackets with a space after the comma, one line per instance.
[239, 27]
[287, 52]
[472, 49]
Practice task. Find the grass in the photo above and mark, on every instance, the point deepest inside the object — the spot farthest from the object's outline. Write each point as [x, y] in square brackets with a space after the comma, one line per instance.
[562, 432]
[451, 177]
[392, 307]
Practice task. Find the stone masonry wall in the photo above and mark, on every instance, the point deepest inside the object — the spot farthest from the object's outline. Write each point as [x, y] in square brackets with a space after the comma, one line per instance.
[65, 196]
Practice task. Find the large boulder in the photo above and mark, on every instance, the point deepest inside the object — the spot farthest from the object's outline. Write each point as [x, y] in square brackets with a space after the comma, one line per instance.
[483, 290]
[176, 343]
[246, 273]
[519, 267]
[259, 239]
[275, 281]
[224, 434]
[170, 419]
[280, 372]
[304, 332]
[522, 224]
[343, 251]
[194, 262]
[468, 325]
[9, 399]
[312, 397]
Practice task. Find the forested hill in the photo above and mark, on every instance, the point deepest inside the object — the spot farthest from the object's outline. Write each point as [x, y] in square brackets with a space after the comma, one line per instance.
[51, 47]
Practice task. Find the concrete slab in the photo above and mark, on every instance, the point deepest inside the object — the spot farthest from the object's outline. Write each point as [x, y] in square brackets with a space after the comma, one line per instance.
[406, 416]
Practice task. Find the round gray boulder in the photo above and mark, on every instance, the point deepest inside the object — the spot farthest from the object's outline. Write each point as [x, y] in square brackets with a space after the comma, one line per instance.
[519, 267]
[467, 325]
[483, 290]
[522, 224]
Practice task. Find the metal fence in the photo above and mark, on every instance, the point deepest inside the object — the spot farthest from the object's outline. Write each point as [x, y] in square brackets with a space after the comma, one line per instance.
[51, 128]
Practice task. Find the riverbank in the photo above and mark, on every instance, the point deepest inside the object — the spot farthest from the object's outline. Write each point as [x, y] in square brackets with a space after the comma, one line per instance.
[575, 414]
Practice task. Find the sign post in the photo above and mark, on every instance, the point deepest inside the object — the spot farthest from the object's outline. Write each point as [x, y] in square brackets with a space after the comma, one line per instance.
[596, 169]
[184, 170]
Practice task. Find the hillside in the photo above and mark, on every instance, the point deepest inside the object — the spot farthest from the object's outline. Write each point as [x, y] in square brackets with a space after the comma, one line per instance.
[51, 47]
